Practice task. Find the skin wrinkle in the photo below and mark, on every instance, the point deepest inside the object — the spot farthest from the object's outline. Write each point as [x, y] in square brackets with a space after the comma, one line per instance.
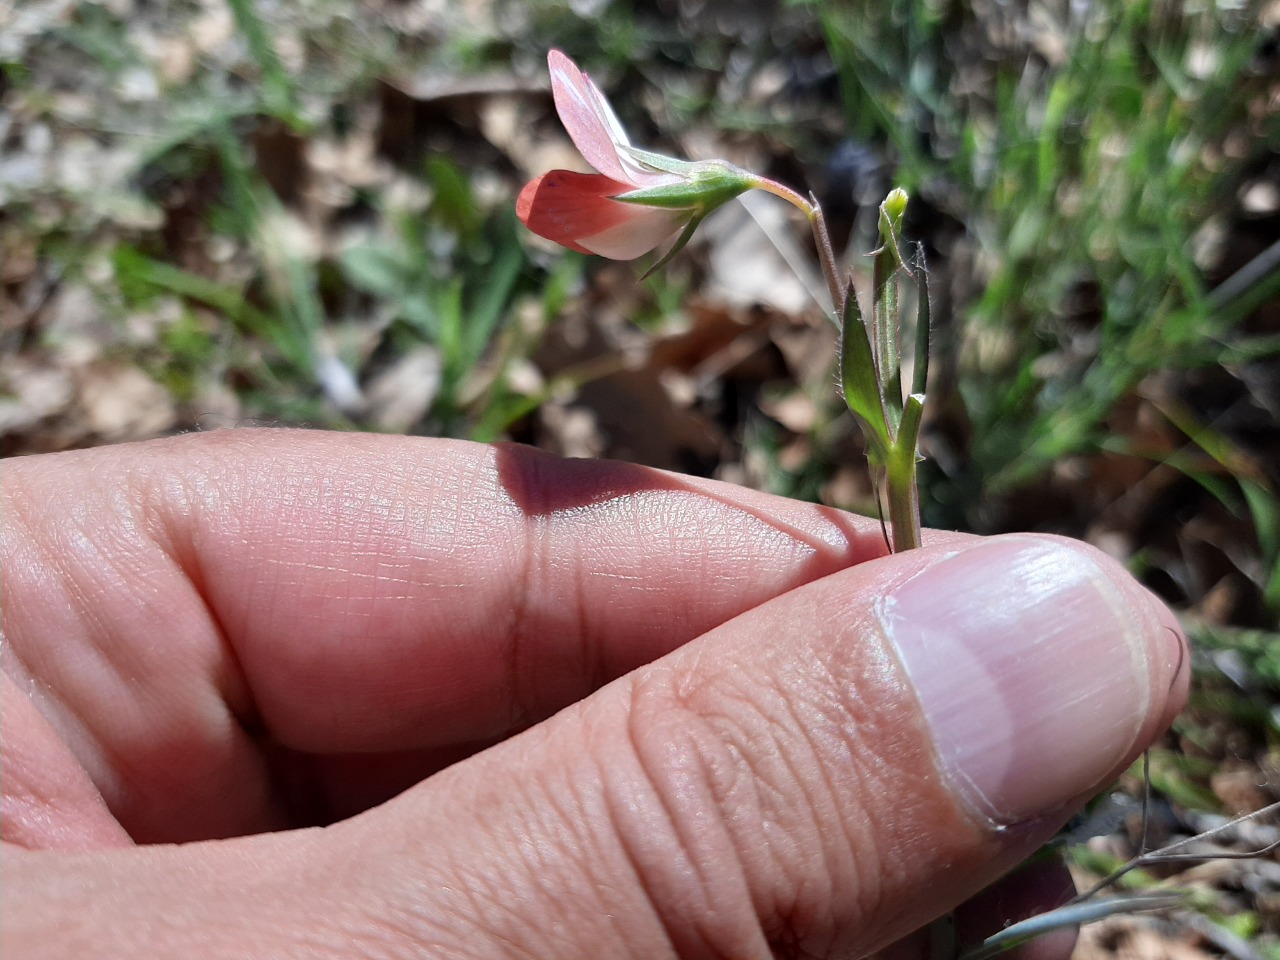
[491, 905]
[875, 869]
[90, 750]
[696, 530]
[564, 824]
[552, 819]
[545, 535]
[533, 550]
[497, 896]
[363, 529]
[12, 659]
[115, 764]
[407, 553]
[819, 792]
[198, 713]
[642, 817]
[635, 511]
[786, 722]
[560, 489]
[855, 545]
[671, 739]
[92, 755]
[365, 858]
[294, 493]
[895, 761]
[589, 663]
[776, 832]
[865, 677]
[49, 801]
[620, 880]
[402, 933]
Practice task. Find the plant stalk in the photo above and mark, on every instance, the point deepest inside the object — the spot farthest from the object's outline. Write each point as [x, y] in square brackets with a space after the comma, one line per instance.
[904, 500]
[821, 238]
[900, 470]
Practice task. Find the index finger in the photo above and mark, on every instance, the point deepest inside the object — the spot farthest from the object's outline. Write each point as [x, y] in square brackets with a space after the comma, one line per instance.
[362, 593]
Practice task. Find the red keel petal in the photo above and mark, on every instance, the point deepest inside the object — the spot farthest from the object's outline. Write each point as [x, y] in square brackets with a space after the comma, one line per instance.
[569, 207]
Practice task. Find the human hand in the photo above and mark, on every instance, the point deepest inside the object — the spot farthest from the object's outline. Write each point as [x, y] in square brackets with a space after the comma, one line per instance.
[769, 737]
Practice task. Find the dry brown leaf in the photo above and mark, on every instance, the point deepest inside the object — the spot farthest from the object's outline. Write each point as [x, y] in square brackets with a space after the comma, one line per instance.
[31, 392]
[120, 402]
[399, 397]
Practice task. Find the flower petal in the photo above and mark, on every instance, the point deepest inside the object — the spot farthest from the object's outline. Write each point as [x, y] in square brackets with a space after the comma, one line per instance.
[590, 121]
[575, 211]
[626, 241]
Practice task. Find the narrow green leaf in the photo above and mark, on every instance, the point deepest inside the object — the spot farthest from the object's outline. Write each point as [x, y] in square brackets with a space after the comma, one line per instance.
[907, 443]
[375, 269]
[494, 295]
[860, 380]
[448, 303]
[279, 93]
[1071, 915]
[884, 325]
[886, 292]
[455, 200]
[920, 371]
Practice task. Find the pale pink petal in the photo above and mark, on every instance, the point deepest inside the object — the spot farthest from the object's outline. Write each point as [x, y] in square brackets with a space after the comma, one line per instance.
[569, 207]
[616, 131]
[588, 118]
[641, 232]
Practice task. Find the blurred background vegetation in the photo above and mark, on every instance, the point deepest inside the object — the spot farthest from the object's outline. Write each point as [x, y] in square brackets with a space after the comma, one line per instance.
[217, 213]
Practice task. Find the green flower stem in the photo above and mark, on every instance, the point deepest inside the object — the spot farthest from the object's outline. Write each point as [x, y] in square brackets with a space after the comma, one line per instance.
[827, 257]
[904, 508]
[821, 238]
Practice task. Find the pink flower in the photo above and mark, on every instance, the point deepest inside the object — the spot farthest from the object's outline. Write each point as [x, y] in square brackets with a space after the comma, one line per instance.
[636, 200]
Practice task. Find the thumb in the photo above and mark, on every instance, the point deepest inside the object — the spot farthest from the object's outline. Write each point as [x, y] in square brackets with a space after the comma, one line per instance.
[819, 776]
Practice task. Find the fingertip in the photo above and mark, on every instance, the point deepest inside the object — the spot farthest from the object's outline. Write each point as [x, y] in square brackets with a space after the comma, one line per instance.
[1041, 666]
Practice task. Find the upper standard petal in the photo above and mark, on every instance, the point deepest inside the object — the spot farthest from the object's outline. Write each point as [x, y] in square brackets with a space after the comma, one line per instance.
[589, 120]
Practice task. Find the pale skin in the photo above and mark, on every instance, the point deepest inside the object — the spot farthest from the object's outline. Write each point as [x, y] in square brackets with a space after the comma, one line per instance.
[280, 693]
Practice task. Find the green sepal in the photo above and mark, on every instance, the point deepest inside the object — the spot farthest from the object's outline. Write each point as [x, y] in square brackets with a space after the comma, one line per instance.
[685, 236]
[661, 162]
[704, 186]
[860, 380]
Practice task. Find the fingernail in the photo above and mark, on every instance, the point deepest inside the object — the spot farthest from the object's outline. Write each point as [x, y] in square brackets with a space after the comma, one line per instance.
[1033, 667]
